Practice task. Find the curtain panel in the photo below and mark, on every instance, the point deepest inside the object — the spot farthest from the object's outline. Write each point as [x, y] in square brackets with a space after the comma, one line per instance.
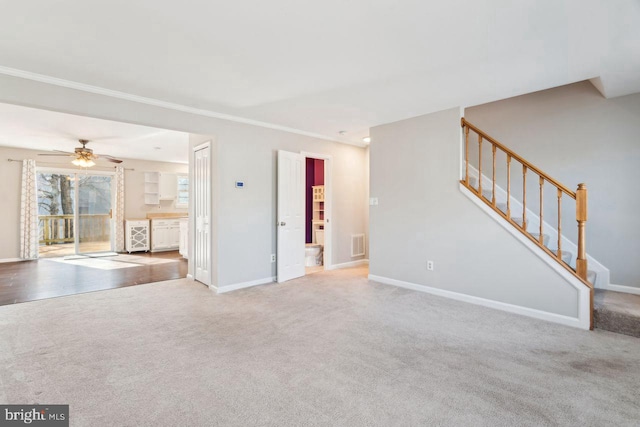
[29, 211]
[118, 211]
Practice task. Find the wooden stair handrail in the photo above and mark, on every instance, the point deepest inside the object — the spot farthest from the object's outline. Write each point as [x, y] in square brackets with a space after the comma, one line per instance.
[580, 196]
[529, 165]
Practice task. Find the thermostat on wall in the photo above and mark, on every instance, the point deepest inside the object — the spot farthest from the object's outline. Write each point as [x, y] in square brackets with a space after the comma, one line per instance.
[239, 184]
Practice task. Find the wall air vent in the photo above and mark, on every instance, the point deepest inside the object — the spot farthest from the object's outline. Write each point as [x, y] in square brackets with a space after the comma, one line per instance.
[357, 245]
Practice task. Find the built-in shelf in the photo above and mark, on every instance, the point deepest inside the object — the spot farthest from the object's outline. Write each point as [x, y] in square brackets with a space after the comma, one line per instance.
[152, 188]
[317, 220]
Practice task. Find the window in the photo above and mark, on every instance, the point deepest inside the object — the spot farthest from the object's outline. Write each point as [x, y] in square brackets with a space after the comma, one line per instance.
[182, 201]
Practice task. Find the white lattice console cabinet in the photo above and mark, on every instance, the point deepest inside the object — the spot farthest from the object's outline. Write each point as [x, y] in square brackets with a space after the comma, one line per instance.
[137, 235]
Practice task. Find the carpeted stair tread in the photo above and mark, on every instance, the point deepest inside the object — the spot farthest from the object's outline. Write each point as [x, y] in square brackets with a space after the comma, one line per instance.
[518, 220]
[545, 238]
[566, 255]
[617, 312]
[487, 194]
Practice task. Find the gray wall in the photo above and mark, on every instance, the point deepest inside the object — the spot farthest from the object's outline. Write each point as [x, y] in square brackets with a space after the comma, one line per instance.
[246, 218]
[423, 216]
[576, 135]
[11, 176]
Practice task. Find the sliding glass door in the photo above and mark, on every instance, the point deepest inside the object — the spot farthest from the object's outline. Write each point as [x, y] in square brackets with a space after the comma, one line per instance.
[56, 213]
[94, 214]
[74, 212]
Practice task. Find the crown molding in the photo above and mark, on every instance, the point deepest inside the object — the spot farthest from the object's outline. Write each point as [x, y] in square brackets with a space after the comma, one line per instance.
[164, 104]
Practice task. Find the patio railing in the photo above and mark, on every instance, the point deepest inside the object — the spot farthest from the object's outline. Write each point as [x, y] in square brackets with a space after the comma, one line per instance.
[56, 229]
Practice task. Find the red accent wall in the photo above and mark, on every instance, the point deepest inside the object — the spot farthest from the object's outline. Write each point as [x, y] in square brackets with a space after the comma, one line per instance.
[318, 173]
[314, 176]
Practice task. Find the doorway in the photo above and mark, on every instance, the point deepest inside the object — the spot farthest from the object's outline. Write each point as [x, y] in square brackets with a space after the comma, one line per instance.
[74, 213]
[314, 215]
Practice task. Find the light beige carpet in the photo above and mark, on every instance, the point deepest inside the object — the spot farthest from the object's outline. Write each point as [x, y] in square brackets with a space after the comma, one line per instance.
[327, 349]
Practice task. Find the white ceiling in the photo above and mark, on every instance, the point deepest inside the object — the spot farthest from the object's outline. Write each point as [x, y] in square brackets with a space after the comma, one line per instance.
[45, 131]
[329, 65]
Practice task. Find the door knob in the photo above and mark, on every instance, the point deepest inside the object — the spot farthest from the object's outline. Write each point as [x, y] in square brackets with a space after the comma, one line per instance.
[282, 224]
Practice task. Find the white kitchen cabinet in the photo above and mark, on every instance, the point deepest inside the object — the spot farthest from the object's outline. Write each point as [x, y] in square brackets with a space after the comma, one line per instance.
[137, 235]
[160, 186]
[165, 234]
[184, 237]
[168, 186]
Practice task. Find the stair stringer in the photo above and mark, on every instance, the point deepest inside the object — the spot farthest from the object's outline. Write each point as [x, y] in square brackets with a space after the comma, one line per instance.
[583, 321]
[602, 272]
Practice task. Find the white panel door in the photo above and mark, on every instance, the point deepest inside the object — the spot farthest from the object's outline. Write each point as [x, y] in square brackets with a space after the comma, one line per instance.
[291, 239]
[202, 213]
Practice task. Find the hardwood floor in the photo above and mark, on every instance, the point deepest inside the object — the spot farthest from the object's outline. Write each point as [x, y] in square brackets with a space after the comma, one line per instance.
[65, 249]
[48, 278]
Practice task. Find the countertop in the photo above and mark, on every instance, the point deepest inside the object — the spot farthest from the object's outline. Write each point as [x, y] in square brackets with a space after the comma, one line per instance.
[166, 215]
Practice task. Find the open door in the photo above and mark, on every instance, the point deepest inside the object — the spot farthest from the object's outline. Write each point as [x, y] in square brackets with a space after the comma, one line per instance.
[202, 213]
[290, 216]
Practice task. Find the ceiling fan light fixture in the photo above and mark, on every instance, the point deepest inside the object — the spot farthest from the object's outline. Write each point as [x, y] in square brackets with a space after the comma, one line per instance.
[82, 156]
[82, 162]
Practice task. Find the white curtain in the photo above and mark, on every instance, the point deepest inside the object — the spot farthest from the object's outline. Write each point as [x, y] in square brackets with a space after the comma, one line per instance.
[29, 212]
[118, 211]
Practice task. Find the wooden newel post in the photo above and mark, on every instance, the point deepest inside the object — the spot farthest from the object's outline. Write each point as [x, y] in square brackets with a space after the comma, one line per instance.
[581, 217]
[466, 153]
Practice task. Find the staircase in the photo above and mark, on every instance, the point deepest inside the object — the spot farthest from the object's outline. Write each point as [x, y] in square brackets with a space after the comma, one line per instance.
[531, 227]
[512, 205]
[617, 312]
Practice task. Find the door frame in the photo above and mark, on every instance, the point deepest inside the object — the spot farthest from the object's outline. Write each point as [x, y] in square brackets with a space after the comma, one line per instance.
[192, 214]
[76, 195]
[328, 205]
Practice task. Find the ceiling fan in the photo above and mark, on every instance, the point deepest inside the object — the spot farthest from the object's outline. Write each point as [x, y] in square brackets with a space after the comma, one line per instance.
[83, 156]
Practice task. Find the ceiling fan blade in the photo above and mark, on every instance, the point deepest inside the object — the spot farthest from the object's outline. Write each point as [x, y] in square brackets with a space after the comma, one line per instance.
[113, 160]
[109, 158]
[65, 152]
[56, 154]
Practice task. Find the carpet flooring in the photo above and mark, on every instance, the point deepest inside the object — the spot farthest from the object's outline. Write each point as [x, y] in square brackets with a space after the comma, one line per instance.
[617, 312]
[328, 349]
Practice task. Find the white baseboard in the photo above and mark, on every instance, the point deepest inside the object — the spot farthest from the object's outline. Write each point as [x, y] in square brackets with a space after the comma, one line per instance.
[525, 311]
[190, 276]
[236, 286]
[3, 260]
[348, 264]
[621, 288]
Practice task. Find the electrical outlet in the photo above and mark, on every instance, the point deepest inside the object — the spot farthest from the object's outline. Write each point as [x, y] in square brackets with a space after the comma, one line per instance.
[430, 265]
[273, 257]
